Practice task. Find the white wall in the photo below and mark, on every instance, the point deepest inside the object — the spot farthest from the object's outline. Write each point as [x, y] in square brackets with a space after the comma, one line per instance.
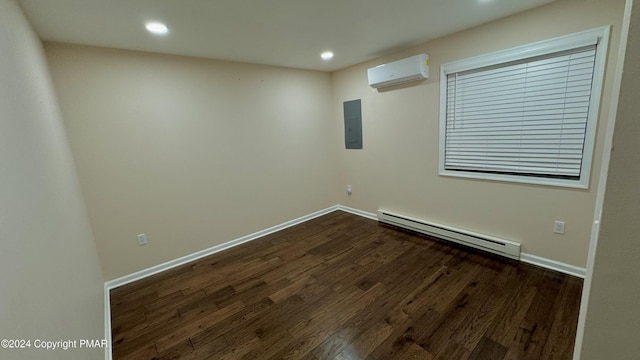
[397, 169]
[50, 282]
[192, 152]
[196, 152]
[613, 318]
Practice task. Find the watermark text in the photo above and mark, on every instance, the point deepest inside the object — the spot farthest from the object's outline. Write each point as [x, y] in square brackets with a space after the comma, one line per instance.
[63, 345]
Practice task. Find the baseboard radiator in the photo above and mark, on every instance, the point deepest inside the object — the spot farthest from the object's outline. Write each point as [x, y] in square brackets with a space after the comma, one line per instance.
[488, 243]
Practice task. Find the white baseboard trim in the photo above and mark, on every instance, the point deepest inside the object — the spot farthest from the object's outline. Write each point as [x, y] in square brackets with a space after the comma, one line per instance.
[553, 265]
[112, 284]
[212, 250]
[524, 257]
[527, 258]
[366, 214]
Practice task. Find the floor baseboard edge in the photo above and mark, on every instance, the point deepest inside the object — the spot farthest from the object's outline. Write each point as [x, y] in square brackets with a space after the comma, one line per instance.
[365, 214]
[554, 265]
[112, 284]
[524, 257]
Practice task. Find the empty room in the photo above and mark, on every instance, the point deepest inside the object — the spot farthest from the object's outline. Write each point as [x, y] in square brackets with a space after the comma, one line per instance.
[286, 179]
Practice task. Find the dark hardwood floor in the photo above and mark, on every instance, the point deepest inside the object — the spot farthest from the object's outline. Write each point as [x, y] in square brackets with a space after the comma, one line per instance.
[343, 287]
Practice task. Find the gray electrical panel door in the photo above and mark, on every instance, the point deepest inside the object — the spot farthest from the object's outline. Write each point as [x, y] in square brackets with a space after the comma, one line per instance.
[352, 124]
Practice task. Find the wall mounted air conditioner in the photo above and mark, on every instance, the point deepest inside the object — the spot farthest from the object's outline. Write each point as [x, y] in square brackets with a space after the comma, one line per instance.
[401, 71]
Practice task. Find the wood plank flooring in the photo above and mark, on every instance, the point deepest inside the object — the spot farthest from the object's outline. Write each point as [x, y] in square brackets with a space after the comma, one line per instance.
[343, 287]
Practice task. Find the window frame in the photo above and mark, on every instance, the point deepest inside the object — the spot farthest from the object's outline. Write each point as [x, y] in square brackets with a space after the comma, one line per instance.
[599, 36]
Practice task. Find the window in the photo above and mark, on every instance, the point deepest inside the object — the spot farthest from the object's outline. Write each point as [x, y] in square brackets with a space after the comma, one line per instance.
[526, 114]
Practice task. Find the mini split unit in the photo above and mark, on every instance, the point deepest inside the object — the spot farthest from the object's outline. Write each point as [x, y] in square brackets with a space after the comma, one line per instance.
[398, 72]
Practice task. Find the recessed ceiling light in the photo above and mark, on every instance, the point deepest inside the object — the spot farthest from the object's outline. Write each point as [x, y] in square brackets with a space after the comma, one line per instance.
[327, 55]
[157, 28]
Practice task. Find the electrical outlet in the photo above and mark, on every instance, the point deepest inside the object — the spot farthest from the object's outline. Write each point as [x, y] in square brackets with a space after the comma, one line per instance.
[349, 189]
[558, 227]
[142, 239]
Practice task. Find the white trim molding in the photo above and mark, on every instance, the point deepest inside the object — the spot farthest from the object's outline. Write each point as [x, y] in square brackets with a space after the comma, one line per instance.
[524, 257]
[553, 265]
[566, 166]
[365, 214]
[107, 323]
[602, 183]
[111, 284]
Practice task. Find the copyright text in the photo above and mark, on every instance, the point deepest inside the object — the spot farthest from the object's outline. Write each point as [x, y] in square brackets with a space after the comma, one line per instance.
[53, 344]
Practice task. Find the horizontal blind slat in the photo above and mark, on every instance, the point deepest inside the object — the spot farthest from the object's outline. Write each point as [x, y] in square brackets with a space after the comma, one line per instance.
[526, 117]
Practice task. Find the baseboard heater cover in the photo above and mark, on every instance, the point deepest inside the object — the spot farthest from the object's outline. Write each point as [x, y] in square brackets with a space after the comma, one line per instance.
[488, 243]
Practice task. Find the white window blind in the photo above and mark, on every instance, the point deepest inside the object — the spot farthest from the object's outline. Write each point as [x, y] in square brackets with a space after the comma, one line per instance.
[527, 117]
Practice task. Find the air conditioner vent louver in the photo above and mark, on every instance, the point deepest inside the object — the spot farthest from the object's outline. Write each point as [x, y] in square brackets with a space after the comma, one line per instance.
[401, 71]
